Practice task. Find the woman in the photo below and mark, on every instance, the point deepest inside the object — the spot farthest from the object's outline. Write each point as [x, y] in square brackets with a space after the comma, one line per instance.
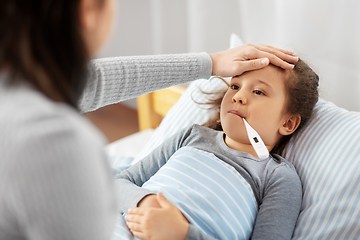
[55, 181]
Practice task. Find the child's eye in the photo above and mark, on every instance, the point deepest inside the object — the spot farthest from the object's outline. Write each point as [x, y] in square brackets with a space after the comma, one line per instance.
[234, 87]
[258, 92]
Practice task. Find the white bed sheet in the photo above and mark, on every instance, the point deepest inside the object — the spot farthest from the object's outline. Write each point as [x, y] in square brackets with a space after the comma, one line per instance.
[129, 146]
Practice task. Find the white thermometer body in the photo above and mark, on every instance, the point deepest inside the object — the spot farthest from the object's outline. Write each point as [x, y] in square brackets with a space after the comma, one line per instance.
[256, 141]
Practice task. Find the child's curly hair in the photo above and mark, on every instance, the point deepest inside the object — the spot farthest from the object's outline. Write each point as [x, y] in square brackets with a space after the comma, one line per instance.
[302, 94]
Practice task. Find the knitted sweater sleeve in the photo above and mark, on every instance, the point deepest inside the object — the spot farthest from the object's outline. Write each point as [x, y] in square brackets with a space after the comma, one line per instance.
[112, 80]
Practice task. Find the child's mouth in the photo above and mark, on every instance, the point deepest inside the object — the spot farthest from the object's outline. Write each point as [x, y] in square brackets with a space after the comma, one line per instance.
[236, 112]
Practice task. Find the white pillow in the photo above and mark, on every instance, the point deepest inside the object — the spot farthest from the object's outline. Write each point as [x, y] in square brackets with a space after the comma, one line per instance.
[326, 155]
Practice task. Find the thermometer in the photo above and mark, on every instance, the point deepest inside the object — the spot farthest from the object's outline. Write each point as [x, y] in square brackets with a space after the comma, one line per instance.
[256, 142]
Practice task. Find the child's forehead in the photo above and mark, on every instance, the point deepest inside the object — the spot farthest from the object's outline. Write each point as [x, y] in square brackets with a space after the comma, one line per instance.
[269, 72]
[271, 76]
[268, 68]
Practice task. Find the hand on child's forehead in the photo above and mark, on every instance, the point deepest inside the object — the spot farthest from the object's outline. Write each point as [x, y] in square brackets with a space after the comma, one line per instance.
[267, 73]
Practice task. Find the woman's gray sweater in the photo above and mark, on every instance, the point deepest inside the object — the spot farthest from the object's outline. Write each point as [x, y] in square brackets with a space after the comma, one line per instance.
[55, 182]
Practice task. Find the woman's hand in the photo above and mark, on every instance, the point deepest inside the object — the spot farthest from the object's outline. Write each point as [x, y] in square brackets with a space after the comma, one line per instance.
[166, 222]
[248, 57]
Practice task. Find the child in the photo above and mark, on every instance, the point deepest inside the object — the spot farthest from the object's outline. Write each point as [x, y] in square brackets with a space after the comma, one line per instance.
[275, 103]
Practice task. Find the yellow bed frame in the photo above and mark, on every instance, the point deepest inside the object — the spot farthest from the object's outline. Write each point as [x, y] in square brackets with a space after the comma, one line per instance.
[152, 107]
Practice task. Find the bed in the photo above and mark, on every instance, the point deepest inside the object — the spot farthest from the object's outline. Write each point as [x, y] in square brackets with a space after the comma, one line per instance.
[326, 155]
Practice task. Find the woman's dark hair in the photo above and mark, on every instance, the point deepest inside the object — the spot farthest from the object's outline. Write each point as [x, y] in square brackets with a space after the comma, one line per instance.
[41, 43]
[302, 94]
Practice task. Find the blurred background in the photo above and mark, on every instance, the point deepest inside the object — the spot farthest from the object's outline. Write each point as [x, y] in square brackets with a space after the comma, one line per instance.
[325, 33]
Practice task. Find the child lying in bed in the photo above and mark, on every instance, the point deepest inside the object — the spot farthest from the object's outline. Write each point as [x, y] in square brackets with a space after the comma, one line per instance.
[213, 177]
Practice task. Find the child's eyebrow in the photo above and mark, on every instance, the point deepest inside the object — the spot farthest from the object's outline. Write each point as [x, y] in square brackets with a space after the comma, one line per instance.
[264, 83]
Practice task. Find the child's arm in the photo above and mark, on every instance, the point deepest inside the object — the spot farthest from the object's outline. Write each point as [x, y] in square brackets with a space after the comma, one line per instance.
[281, 205]
[129, 181]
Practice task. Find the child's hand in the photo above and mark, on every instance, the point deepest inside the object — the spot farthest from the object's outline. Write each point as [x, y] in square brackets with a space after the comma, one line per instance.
[149, 201]
[153, 223]
[236, 61]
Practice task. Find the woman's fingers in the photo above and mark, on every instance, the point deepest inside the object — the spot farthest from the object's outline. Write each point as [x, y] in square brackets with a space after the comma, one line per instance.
[282, 54]
[277, 61]
[250, 65]
[276, 56]
[288, 52]
[248, 57]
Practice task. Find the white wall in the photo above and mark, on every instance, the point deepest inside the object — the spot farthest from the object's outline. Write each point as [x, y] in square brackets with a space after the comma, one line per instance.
[325, 33]
[132, 30]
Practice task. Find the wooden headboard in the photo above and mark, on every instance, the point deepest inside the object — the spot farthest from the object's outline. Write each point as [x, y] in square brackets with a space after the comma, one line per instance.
[152, 107]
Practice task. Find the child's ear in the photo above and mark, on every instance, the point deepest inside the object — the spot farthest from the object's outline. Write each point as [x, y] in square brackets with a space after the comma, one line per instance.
[290, 124]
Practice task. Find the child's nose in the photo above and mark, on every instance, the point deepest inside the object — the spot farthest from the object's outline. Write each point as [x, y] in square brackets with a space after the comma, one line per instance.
[239, 97]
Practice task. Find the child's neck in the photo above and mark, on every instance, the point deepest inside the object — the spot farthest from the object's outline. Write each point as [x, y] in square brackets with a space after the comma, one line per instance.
[242, 147]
